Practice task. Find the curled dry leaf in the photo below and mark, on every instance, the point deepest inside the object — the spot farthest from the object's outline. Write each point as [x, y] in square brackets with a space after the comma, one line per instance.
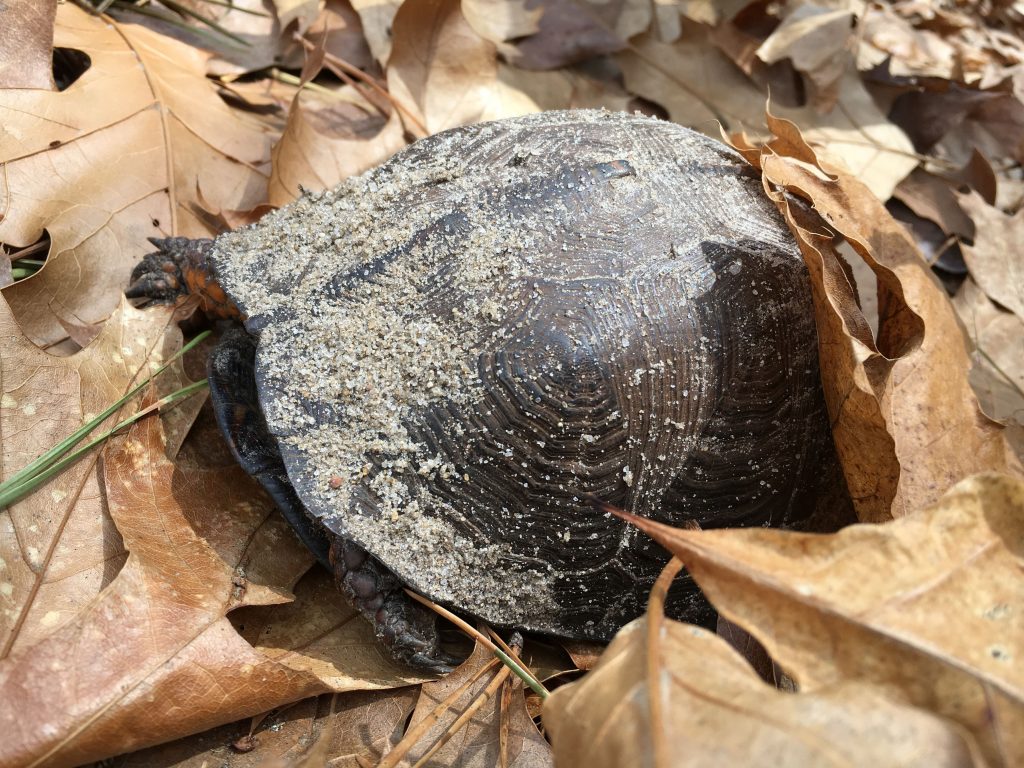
[927, 608]
[153, 656]
[906, 422]
[713, 710]
[996, 260]
[58, 546]
[26, 42]
[447, 76]
[120, 155]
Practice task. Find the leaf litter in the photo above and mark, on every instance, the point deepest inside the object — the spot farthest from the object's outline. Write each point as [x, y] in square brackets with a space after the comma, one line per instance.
[156, 137]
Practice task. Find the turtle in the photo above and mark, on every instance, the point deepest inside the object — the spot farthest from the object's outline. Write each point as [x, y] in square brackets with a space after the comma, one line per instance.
[441, 362]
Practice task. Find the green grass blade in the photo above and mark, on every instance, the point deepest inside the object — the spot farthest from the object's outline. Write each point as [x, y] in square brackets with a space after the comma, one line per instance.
[55, 453]
[535, 685]
[10, 495]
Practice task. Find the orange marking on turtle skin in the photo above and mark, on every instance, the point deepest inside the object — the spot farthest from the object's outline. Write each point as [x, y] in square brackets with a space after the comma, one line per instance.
[213, 301]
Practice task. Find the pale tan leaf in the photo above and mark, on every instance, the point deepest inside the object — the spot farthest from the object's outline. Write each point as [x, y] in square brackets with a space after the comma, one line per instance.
[909, 51]
[477, 744]
[573, 31]
[326, 140]
[302, 12]
[378, 18]
[564, 89]
[683, 689]
[448, 76]
[26, 39]
[58, 546]
[501, 20]
[996, 260]
[874, 150]
[322, 634]
[694, 81]
[341, 31]
[864, 604]
[815, 39]
[340, 730]
[998, 372]
[124, 153]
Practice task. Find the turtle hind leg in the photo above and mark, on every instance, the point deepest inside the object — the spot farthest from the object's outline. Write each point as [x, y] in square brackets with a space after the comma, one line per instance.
[178, 270]
[407, 629]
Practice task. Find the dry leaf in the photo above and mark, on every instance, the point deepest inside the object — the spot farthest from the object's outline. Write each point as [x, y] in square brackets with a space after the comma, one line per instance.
[26, 40]
[339, 29]
[910, 52]
[680, 696]
[478, 743]
[927, 608]
[58, 546]
[694, 81]
[572, 31]
[501, 20]
[565, 89]
[378, 19]
[874, 150]
[266, 42]
[699, 85]
[352, 729]
[302, 12]
[153, 656]
[122, 154]
[933, 197]
[326, 140]
[449, 76]
[905, 421]
[816, 39]
[320, 633]
[998, 372]
[996, 260]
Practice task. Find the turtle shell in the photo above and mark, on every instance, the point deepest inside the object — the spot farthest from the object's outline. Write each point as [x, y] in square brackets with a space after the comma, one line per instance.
[459, 346]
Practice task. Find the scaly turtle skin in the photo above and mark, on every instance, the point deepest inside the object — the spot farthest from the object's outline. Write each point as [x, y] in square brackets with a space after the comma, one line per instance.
[454, 350]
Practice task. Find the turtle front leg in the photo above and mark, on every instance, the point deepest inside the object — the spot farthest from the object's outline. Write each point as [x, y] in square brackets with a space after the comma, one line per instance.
[178, 270]
[407, 629]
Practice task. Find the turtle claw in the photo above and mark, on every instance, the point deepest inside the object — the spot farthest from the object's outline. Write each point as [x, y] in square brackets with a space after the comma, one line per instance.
[177, 270]
[404, 627]
[160, 276]
[443, 664]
